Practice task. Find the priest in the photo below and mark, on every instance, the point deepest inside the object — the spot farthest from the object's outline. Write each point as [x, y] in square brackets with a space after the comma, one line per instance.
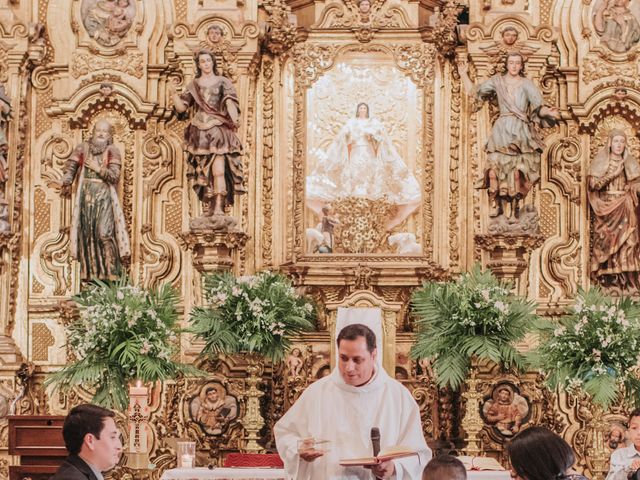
[341, 410]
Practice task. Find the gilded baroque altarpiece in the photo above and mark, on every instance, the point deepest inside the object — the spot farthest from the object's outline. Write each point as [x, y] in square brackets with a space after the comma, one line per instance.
[301, 69]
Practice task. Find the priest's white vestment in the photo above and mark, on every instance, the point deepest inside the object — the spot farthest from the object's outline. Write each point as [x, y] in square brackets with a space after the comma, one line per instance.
[329, 409]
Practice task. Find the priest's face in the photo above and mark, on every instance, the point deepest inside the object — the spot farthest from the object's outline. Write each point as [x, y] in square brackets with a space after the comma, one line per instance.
[355, 361]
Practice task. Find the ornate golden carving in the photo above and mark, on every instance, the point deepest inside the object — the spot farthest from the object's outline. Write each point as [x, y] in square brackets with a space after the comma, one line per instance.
[509, 256]
[267, 161]
[253, 420]
[595, 69]
[83, 63]
[212, 251]
[173, 213]
[444, 33]
[41, 341]
[42, 222]
[280, 32]
[362, 224]
[472, 422]
[454, 165]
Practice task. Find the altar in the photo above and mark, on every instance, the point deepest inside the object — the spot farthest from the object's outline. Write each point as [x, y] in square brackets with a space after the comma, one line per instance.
[277, 474]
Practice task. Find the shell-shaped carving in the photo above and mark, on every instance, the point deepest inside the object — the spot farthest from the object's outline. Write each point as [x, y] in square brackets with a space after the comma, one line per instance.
[107, 21]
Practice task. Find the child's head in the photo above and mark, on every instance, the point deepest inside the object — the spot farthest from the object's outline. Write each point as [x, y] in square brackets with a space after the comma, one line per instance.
[327, 209]
[444, 467]
[633, 433]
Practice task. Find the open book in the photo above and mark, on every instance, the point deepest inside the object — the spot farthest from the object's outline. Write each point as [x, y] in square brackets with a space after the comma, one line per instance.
[480, 463]
[390, 453]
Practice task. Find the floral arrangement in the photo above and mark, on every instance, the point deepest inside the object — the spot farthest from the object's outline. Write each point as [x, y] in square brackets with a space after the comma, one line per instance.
[256, 314]
[124, 333]
[595, 349]
[475, 316]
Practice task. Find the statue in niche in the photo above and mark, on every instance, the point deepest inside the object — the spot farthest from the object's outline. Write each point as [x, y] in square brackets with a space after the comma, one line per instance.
[214, 149]
[514, 146]
[616, 25]
[613, 187]
[213, 409]
[362, 162]
[98, 238]
[506, 410]
[107, 21]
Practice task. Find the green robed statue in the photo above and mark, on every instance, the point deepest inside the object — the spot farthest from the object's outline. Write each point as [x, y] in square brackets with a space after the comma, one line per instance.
[514, 147]
[98, 237]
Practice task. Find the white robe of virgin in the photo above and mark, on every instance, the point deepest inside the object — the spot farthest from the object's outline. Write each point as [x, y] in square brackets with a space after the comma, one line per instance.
[329, 409]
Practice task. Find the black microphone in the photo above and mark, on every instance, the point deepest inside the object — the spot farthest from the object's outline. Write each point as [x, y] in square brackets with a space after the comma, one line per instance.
[375, 440]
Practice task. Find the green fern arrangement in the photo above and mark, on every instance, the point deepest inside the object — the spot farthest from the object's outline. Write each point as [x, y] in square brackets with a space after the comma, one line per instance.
[256, 314]
[474, 316]
[124, 333]
[593, 349]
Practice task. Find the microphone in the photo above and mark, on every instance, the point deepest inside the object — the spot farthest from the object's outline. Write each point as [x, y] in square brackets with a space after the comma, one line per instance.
[375, 440]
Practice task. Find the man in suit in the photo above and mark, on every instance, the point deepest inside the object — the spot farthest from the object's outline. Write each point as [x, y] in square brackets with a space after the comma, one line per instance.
[93, 441]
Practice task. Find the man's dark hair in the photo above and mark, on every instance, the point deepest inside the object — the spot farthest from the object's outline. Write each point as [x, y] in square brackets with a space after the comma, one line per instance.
[537, 454]
[355, 330]
[634, 413]
[444, 467]
[82, 420]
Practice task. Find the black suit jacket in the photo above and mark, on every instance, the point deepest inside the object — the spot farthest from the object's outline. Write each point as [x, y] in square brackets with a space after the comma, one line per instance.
[74, 468]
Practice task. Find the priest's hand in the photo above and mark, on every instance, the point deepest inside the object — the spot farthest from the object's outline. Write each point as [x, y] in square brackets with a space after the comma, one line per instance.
[307, 451]
[384, 469]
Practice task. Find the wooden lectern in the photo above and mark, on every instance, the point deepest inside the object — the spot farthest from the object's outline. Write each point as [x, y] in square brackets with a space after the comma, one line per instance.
[37, 440]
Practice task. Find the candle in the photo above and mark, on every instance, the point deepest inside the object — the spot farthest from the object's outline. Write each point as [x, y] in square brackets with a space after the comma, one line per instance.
[186, 461]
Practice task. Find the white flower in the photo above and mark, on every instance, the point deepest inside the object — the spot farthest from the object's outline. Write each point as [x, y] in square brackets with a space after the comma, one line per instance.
[120, 295]
[485, 294]
[559, 331]
[502, 307]
[146, 346]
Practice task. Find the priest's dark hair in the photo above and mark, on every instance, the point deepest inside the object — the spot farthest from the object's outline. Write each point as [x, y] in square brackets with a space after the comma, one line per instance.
[539, 454]
[81, 421]
[355, 330]
[634, 413]
[444, 467]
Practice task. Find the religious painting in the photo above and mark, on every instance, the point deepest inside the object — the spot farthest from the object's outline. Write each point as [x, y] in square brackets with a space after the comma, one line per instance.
[363, 159]
[506, 409]
[616, 23]
[107, 21]
[213, 409]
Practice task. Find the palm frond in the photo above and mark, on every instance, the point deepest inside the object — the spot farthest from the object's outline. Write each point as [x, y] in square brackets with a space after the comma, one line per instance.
[476, 316]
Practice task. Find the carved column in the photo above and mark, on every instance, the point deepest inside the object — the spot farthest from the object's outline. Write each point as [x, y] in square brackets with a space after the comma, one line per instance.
[508, 256]
[597, 452]
[472, 422]
[253, 420]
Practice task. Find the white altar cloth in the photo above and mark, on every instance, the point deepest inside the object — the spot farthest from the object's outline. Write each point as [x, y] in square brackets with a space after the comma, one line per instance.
[278, 474]
[204, 473]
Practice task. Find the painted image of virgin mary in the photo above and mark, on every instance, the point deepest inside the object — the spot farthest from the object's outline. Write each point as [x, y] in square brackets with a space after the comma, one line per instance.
[362, 162]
